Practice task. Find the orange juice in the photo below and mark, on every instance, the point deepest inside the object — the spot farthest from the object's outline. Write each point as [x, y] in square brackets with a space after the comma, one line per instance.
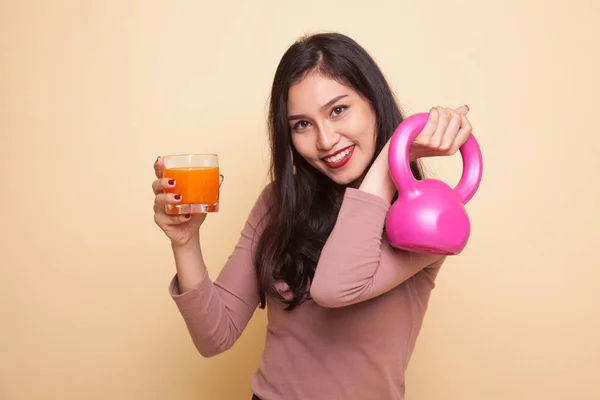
[196, 185]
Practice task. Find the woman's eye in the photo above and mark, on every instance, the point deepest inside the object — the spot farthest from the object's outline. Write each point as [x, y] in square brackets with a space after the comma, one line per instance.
[300, 125]
[338, 110]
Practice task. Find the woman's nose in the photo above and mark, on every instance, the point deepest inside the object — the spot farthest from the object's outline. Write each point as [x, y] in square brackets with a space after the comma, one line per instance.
[327, 139]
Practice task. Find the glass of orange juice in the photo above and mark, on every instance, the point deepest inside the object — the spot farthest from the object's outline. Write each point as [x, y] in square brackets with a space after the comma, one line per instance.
[196, 180]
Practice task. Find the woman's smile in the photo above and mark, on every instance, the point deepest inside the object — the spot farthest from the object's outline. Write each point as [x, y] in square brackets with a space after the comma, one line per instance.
[339, 158]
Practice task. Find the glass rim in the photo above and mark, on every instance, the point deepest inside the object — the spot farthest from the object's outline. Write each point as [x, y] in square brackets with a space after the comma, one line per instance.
[189, 154]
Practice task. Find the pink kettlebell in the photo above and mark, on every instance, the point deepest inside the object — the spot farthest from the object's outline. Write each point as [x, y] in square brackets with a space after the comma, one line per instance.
[429, 216]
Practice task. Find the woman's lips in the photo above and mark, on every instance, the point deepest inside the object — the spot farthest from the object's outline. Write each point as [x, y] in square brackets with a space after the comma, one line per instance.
[339, 159]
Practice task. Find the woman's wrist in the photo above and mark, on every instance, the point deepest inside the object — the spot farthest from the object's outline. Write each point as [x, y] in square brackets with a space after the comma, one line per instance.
[189, 264]
[378, 181]
[191, 244]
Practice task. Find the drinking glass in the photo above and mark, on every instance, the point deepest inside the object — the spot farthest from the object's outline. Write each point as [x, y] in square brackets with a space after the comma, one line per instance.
[197, 180]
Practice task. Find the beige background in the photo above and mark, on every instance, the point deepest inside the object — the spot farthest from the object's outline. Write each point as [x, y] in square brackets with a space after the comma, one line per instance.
[91, 92]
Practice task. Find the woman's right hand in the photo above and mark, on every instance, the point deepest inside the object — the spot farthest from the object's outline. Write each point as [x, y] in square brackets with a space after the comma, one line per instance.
[180, 229]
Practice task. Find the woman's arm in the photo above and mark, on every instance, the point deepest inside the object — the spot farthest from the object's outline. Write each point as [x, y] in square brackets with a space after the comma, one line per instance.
[216, 313]
[357, 263]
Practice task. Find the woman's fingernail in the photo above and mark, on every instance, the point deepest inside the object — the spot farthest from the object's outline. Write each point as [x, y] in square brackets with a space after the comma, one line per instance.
[467, 107]
[187, 215]
[177, 197]
[172, 182]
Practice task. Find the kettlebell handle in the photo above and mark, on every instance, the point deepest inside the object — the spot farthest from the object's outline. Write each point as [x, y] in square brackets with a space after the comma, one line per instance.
[399, 153]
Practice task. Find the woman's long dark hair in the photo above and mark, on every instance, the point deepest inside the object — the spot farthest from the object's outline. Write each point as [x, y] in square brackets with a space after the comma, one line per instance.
[304, 202]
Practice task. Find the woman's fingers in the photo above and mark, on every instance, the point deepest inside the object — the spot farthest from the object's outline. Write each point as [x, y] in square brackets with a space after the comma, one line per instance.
[429, 129]
[159, 185]
[463, 134]
[451, 133]
[462, 110]
[158, 167]
[163, 219]
[163, 199]
[444, 133]
[444, 119]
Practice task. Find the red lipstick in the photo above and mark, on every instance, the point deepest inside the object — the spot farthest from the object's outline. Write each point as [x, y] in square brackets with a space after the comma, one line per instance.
[341, 162]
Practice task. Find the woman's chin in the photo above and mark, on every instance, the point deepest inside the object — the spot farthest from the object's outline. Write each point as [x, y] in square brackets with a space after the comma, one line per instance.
[346, 179]
[348, 175]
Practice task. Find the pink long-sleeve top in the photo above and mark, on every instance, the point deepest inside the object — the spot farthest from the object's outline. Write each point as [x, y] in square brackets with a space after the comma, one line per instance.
[351, 340]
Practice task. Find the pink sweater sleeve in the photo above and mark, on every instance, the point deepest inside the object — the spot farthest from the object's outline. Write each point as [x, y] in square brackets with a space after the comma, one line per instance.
[357, 263]
[216, 313]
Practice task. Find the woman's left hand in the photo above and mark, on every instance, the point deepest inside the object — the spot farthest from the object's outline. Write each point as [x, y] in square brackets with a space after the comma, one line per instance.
[445, 132]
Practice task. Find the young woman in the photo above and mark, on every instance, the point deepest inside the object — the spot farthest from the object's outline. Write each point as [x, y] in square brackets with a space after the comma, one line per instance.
[344, 307]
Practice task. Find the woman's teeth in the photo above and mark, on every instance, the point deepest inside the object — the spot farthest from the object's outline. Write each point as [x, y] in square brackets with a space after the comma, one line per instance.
[339, 156]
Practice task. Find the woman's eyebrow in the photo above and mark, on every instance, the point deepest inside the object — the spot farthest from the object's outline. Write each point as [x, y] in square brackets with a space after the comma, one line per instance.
[328, 104]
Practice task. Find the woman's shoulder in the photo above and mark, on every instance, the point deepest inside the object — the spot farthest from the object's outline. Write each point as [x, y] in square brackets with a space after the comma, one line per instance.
[263, 203]
[266, 196]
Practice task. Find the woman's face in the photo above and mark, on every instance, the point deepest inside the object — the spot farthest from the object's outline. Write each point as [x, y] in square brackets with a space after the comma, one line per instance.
[332, 126]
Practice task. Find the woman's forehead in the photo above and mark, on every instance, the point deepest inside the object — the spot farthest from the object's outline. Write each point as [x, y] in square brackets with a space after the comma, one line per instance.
[314, 92]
